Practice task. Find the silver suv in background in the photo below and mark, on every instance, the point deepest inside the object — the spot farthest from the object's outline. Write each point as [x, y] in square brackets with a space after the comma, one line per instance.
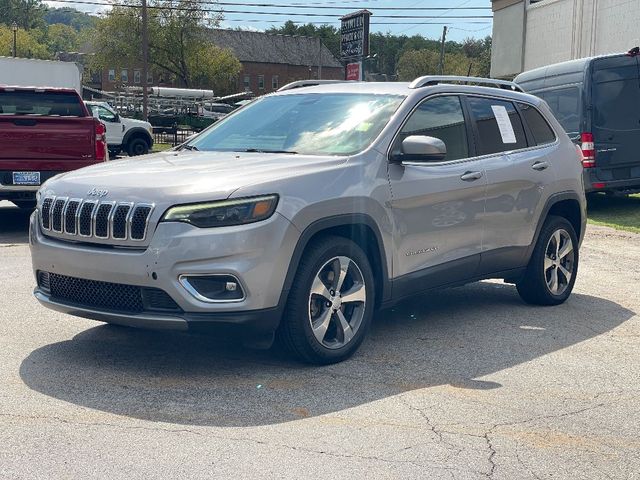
[303, 212]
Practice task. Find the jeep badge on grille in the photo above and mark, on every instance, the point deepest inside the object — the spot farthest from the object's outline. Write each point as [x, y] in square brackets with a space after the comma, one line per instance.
[97, 192]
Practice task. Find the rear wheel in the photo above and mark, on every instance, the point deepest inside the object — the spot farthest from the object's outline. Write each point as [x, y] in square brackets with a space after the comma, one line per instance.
[330, 304]
[137, 146]
[552, 270]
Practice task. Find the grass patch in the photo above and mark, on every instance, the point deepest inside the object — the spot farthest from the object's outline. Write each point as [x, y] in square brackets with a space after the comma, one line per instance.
[161, 147]
[622, 213]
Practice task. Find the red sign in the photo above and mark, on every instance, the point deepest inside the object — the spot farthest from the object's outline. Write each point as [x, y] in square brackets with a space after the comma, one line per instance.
[353, 71]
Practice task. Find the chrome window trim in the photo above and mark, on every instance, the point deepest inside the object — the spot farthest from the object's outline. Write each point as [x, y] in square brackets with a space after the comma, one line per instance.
[468, 159]
[183, 279]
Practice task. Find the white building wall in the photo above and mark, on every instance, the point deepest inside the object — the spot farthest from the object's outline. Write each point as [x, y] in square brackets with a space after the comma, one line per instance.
[559, 30]
[549, 33]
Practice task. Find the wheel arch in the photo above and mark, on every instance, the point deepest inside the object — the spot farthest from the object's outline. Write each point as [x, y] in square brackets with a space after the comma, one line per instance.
[566, 205]
[137, 132]
[361, 229]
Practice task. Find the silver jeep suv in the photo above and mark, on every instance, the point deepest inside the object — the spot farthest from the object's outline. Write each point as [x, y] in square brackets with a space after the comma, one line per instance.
[305, 211]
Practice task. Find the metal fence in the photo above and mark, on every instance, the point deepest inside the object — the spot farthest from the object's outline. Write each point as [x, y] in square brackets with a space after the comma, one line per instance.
[172, 136]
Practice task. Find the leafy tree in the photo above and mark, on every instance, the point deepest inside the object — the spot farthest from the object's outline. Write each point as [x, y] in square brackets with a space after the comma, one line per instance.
[27, 14]
[61, 38]
[415, 63]
[178, 43]
[28, 42]
[69, 16]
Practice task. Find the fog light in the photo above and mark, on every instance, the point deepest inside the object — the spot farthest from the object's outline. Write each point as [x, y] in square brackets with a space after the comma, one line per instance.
[213, 288]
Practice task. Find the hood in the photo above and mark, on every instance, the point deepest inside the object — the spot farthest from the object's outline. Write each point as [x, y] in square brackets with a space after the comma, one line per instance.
[185, 176]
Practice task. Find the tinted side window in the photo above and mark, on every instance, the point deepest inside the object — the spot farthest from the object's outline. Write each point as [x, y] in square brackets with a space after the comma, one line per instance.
[616, 98]
[565, 105]
[542, 132]
[442, 118]
[499, 125]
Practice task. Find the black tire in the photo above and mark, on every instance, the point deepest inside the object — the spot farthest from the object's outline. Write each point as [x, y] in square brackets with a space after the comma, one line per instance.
[534, 287]
[295, 333]
[137, 146]
[113, 153]
[25, 204]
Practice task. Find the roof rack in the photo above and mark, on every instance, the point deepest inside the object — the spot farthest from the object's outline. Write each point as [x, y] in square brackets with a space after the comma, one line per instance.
[435, 80]
[308, 83]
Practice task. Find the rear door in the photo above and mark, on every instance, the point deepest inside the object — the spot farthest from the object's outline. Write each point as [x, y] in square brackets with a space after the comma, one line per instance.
[615, 97]
[516, 179]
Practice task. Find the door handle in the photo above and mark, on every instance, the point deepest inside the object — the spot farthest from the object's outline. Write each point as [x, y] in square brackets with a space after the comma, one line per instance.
[540, 166]
[471, 176]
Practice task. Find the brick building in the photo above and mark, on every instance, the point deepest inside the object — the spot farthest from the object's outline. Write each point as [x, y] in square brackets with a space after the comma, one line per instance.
[268, 62]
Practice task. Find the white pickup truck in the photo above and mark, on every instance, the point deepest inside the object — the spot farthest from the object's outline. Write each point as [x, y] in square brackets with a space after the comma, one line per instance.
[135, 137]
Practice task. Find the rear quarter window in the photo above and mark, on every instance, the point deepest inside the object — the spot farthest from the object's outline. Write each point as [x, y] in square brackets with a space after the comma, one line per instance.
[540, 129]
[40, 103]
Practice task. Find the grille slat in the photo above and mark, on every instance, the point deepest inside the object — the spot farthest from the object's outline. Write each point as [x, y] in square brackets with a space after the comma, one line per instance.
[115, 297]
[56, 215]
[102, 220]
[119, 227]
[95, 219]
[70, 217]
[45, 215]
[86, 213]
[139, 222]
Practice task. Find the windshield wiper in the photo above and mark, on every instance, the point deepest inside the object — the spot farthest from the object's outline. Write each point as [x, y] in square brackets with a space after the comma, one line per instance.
[193, 148]
[260, 150]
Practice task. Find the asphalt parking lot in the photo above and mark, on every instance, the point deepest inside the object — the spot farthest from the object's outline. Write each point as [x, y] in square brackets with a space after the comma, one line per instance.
[463, 384]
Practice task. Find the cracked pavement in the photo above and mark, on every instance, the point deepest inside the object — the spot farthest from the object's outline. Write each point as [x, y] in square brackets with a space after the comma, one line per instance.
[467, 383]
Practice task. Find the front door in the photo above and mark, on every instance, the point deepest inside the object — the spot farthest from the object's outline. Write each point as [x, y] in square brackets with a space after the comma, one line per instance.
[437, 207]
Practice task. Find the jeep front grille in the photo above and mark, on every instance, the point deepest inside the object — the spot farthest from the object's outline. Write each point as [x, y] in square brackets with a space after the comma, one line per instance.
[77, 217]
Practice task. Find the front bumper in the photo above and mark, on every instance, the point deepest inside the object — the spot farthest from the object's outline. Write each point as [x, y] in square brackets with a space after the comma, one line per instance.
[254, 321]
[257, 255]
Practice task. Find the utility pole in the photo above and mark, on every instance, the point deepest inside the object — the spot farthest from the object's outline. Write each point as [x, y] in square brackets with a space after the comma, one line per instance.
[14, 27]
[444, 37]
[145, 60]
[319, 58]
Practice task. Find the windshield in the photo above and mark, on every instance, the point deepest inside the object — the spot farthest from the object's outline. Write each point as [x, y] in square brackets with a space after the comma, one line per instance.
[311, 124]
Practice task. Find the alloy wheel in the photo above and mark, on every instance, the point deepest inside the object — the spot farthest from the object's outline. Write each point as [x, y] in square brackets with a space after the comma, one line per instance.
[559, 262]
[337, 302]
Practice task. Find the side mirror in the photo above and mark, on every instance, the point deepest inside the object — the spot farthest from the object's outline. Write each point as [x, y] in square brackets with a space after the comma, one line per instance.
[421, 148]
[116, 119]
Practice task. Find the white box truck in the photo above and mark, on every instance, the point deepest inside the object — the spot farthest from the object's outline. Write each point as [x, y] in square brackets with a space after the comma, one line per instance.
[27, 72]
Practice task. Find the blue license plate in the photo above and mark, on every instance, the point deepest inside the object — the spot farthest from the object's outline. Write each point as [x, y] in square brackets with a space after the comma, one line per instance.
[26, 178]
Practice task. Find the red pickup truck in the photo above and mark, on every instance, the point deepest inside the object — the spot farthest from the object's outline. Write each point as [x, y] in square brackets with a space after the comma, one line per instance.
[44, 132]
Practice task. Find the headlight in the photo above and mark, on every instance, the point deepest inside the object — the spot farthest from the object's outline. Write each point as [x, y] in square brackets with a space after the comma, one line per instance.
[224, 213]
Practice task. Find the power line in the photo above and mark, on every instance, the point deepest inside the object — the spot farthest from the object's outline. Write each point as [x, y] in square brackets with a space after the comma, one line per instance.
[326, 7]
[280, 13]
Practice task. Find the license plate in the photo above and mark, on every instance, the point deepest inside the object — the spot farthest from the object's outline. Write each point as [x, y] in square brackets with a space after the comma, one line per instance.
[26, 178]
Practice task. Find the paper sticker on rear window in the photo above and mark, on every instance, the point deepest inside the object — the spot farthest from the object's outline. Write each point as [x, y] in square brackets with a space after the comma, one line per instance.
[504, 124]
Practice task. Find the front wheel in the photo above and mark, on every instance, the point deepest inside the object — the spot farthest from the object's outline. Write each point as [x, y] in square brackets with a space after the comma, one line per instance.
[330, 303]
[551, 273]
[138, 146]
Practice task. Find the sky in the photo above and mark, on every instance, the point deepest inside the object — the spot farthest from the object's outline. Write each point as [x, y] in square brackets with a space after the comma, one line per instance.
[261, 18]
